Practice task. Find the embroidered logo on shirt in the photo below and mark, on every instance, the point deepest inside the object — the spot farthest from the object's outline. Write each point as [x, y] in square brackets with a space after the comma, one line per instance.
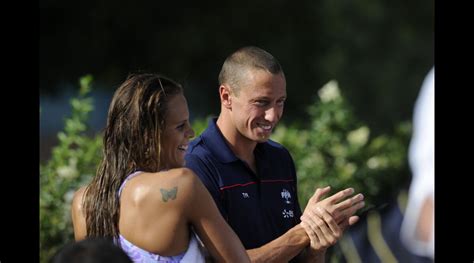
[245, 195]
[285, 194]
[287, 214]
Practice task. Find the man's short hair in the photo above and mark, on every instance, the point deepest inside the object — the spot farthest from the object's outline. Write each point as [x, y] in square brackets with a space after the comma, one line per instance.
[244, 59]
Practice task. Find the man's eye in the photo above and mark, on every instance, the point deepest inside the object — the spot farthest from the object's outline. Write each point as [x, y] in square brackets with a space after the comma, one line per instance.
[180, 127]
[261, 103]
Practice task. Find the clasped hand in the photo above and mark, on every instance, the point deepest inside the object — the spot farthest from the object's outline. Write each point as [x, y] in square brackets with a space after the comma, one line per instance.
[325, 220]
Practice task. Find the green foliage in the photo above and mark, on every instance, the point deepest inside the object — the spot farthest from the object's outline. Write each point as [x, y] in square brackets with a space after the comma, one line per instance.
[338, 150]
[72, 164]
[199, 125]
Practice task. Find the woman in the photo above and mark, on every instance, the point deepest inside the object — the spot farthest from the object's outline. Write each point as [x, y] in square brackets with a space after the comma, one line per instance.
[141, 197]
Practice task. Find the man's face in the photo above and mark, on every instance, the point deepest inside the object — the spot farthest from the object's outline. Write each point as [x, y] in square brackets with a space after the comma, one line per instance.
[259, 104]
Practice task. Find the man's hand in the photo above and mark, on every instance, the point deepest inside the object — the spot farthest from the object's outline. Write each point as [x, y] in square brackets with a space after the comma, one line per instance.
[325, 221]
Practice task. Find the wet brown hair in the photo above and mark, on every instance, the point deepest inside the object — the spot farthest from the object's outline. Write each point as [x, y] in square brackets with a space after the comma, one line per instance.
[132, 141]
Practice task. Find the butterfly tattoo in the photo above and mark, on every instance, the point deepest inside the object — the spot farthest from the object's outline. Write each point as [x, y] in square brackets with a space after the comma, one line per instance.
[168, 194]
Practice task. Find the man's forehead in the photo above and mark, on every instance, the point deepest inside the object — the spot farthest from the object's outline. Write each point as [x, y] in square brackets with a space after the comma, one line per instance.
[268, 88]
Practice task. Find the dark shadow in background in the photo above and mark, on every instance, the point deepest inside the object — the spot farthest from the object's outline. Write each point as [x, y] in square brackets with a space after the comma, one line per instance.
[378, 51]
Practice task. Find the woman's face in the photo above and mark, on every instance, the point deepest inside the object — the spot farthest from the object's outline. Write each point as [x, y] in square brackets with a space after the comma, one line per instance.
[177, 133]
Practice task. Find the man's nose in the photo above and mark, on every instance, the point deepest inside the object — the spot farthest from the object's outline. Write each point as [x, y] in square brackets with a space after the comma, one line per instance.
[272, 114]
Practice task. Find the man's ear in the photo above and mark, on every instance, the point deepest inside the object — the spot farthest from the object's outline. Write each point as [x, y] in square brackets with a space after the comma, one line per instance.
[225, 95]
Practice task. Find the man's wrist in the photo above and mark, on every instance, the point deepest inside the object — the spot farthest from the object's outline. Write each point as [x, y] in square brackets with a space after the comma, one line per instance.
[301, 234]
[293, 243]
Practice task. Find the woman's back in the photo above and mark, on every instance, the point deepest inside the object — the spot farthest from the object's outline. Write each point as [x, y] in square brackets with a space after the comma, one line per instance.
[153, 211]
[157, 210]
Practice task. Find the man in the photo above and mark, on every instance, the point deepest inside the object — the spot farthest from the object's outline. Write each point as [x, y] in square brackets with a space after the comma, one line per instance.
[253, 179]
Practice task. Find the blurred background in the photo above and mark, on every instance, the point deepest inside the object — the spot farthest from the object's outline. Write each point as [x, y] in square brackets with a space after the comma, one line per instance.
[378, 51]
[377, 54]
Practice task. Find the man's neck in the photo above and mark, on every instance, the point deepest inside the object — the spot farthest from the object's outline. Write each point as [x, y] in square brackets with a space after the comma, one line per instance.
[241, 146]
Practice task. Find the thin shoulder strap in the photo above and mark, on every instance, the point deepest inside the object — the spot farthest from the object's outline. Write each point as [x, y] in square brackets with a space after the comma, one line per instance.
[130, 176]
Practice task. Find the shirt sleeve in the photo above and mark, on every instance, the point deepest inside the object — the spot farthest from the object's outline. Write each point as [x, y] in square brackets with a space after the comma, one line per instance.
[209, 178]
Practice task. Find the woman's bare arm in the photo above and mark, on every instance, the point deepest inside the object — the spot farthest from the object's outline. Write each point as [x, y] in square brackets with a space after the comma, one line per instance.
[221, 241]
[77, 214]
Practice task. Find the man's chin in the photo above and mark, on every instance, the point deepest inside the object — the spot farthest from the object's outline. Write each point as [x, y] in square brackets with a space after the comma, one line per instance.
[262, 138]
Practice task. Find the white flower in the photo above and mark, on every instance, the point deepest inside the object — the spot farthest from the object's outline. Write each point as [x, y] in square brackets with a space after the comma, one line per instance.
[70, 171]
[359, 137]
[330, 91]
[373, 163]
[377, 162]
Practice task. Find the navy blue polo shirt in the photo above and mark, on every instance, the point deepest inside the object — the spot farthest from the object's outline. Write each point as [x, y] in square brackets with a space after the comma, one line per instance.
[259, 207]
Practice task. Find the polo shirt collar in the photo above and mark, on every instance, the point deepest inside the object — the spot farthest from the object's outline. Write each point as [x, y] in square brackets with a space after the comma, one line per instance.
[214, 139]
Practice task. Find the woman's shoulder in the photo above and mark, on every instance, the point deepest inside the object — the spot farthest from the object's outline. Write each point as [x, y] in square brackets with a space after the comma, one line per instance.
[77, 214]
[181, 178]
[174, 184]
[77, 198]
[183, 174]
